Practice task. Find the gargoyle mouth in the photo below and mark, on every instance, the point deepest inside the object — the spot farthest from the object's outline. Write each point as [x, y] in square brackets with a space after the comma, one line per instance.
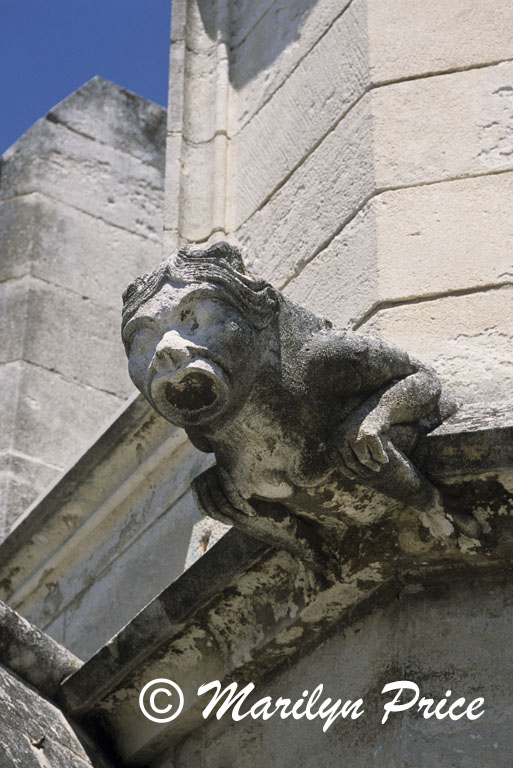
[193, 393]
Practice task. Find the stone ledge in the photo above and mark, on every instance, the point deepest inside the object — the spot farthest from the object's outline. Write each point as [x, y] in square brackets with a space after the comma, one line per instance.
[32, 655]
[244, 609]
[40, 533]
[474, 440]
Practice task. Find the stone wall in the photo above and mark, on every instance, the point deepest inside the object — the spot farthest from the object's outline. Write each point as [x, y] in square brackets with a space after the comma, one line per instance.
[435, 636]
[35, 732]
[80, 215]
[361, 153]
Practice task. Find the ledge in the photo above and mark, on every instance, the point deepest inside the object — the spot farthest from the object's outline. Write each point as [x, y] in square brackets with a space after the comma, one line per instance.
[32, 655]
[244, 608]
[112, 464]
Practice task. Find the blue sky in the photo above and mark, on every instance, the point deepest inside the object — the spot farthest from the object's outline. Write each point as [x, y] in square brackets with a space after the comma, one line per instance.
[49, 48]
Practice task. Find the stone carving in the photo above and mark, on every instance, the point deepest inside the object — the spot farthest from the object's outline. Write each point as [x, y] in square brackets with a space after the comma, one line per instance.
[303, 418]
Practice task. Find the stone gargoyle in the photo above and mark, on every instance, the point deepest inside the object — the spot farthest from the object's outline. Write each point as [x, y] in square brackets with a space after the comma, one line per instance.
[301, 416]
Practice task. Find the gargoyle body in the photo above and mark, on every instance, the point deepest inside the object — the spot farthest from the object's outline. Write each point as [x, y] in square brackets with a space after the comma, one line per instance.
[300, 415]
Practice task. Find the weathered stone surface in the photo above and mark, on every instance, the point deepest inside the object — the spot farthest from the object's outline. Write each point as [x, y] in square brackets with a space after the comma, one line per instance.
[173, 177]
[108, 184]
[95, 613]
[35, 733]
[269, 41]
[176, 91]
[109, 114]
[245, 16]
[80, 205]
[444, 127]
[32, 655]
[299, 415]
[202, 74]
[401, 36]
[50, 406]
[261, 609]
[313, 204]
[353, 254]
[444, 237]
[122, 509]
[324, 85]
[63, 332]
[55, 242]
[411, 243]
[197, 193]
[419, 637]
[13, 299]
[22, 480]
[9, 382]
[467, 338]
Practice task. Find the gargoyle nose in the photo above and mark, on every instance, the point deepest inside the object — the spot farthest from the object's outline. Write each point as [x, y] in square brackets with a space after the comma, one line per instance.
[172, 349]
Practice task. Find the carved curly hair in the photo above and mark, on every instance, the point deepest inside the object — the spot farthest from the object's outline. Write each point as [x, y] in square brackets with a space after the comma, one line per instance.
[220, 266]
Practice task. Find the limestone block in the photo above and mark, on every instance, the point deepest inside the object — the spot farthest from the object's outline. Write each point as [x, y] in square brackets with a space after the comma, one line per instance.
[411, 243]
[341, 282]
[59, 244]
[28, 716]
[316, 201]
[245, 15]
[75, 337]
[268, 42]
[423, 633]
[412, 37]
[170, 242]
[444, 127]
[173, 178]
[153, 515]
[109, 114]
[317, 94]
[205, 23]
[90, 176]
[23, 480]
[13, 300]
[56, 417]
[467, 338]
[198, 191]
[445, 237]
[178, 22]
[9, 382]
[19, 236]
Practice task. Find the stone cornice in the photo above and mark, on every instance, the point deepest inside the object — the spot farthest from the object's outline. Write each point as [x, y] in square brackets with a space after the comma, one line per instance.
[244, 608]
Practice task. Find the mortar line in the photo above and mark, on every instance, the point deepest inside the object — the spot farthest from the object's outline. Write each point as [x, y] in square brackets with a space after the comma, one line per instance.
[53, 118]
[296, 65]
[28, 276]
[47, 196]
[376, 193]
[391, 303]
[33, 459]
[84, 385]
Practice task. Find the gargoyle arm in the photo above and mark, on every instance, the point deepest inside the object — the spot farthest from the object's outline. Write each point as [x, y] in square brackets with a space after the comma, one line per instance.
[401, 388]
[395, 388]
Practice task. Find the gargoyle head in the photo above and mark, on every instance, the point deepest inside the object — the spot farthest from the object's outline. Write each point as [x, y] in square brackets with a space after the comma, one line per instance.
[190, 329]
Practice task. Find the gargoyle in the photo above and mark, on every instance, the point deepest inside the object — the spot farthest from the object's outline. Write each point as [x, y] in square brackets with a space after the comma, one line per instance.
[300, 415]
